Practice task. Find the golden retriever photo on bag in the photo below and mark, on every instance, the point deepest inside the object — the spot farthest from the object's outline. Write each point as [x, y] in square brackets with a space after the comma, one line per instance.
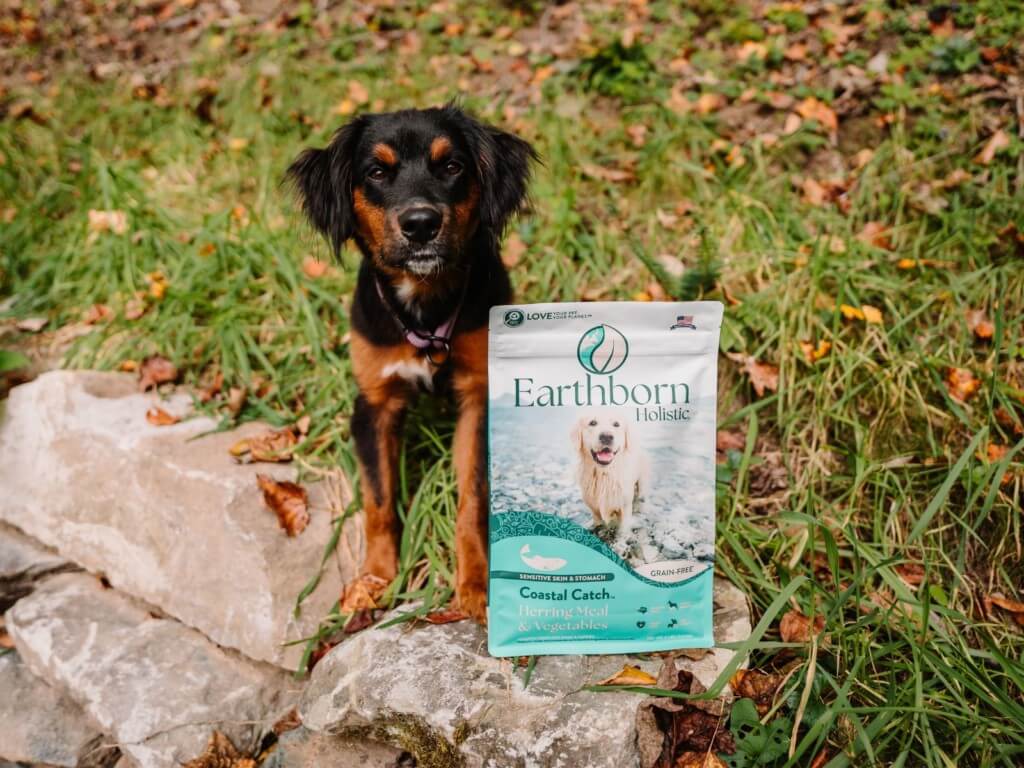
[613, 470]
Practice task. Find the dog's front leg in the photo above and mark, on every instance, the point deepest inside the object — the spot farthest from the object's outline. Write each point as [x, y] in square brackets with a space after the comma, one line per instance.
[376, 424]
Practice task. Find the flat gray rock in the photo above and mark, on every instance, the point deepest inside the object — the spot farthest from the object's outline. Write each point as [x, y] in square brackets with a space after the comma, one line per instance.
[40, 723]
[166, 515]
[435, 692]
[158, 687]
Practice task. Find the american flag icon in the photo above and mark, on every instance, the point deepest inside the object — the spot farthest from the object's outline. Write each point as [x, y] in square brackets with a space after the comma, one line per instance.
[684, 321]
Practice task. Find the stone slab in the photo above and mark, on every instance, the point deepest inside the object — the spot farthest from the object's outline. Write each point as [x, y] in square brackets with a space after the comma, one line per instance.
[164, 512]
[156, 686]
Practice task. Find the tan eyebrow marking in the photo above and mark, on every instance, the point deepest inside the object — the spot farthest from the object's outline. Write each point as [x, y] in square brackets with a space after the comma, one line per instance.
[385, 154]
[438, 148]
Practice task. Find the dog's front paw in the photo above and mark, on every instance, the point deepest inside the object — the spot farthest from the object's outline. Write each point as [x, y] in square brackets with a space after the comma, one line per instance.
[472, 600]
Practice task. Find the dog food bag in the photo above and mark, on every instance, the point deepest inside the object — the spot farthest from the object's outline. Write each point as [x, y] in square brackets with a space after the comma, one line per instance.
[601, 437]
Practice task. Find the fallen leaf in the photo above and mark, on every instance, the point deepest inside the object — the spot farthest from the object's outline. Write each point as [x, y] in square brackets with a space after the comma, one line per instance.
[699, 760]
[709, 102]
[872, 315]
[979, 324]
[31, 324]
[812, 353]
[97, 313]
[875, 234]
[726, 440]
[236, 400]
[220, 753]
[912, 574]
[314, 268]
[630, 675]
[756, 685]
[271, 446]
[794, 627]
[363, 593]
[961, 384]
[156, 370]
[288, 501]
[606, 174]
[763, 376]
[446, 617]
[514, 249]
[812, 109]
[796, 52]
[212, 389]
[637, 133]
[1013, 606]
[359, 621]
[996, 144]
[357, 92]
[287, 722]
[158, 417]
[1009, 420]
[994, 452]
[108, 221]
[6, 641]
[303, 423]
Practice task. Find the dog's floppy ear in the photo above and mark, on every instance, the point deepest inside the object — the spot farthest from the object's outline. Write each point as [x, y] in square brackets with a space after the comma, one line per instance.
[503, 163]
[576, 436]
[323, 180]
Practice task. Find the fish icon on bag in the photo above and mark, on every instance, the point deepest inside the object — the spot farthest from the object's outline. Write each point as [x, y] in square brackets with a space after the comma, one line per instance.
[540, 562]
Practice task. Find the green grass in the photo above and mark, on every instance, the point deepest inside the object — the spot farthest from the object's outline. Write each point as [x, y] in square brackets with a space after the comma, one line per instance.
[881, 466]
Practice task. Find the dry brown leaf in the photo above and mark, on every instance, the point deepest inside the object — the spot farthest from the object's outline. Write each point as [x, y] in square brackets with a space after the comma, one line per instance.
[709, 102]
[359, 621]
[630, 675]
[961, 384]
[912, 574]
[108, 221]
[726, 440]
[158, 417]
[1013, 606]
[756, 685]
[156, 370]
[288, 501]
[812, 109]
[447, 616]
[996, 144]
[236, 400]
[812, 353]
[606, 174]
[274, 445]
[872, 315]
[97, 313]
[876, 234]
[287, 722]
[303, 423]
[314, 268]
[794, 627]
[979, 324]
[363, 593]
[763, 376]
[220, 753]
[31, 324]
[699, 760]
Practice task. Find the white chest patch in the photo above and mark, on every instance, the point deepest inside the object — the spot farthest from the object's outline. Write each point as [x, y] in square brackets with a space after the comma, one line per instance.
[416, 371]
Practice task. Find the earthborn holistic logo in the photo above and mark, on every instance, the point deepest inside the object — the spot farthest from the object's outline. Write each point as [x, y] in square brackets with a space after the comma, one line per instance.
[514, 318]
[602, 349]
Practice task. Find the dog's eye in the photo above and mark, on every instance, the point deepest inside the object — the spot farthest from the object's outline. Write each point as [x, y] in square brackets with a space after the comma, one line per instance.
[593, 422]
[615, 423]
[453, 168]
[376, 174]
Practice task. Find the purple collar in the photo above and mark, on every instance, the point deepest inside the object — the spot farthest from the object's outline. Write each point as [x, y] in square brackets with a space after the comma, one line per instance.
[438, 339]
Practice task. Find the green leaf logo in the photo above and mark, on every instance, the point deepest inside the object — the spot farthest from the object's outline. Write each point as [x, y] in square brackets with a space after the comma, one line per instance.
[602, 349]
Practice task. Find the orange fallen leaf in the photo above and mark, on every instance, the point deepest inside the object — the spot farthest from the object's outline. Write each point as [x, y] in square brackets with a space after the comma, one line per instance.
[605, 174]
[158, 417]
[156, 370]
[220, 753]
[812, 109]
[876, 234]
[236, 399]
[313, 267]
[756, 685]
[363, 593]
[97, 313]
[446, 616]
[851, 312]
[794, 627]
[357, 92]
[994, 452]
[996, 144]
[705, 759]
[812, 353]
[303, 423]
[271, 446]
[630, 675]
[709, 102]
[912, 574]
[763, 376]
[961, 384]
[872, 315]
[979, 324]
[288, 501]
[1013, 606]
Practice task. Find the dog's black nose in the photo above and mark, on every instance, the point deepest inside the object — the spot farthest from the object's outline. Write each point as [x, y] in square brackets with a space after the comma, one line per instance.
[420, 225]
[605, 438]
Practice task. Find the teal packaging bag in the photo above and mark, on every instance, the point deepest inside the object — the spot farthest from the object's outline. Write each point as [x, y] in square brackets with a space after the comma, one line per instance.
[601, 450]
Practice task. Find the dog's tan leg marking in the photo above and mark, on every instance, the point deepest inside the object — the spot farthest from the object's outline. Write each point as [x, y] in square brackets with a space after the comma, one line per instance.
[375, 426]
[469, 355]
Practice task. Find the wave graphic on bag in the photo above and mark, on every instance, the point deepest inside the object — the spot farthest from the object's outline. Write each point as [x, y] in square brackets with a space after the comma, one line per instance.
[601, 438]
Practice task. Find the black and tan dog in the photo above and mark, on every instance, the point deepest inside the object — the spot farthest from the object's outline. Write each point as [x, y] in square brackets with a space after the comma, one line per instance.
[425, 194]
